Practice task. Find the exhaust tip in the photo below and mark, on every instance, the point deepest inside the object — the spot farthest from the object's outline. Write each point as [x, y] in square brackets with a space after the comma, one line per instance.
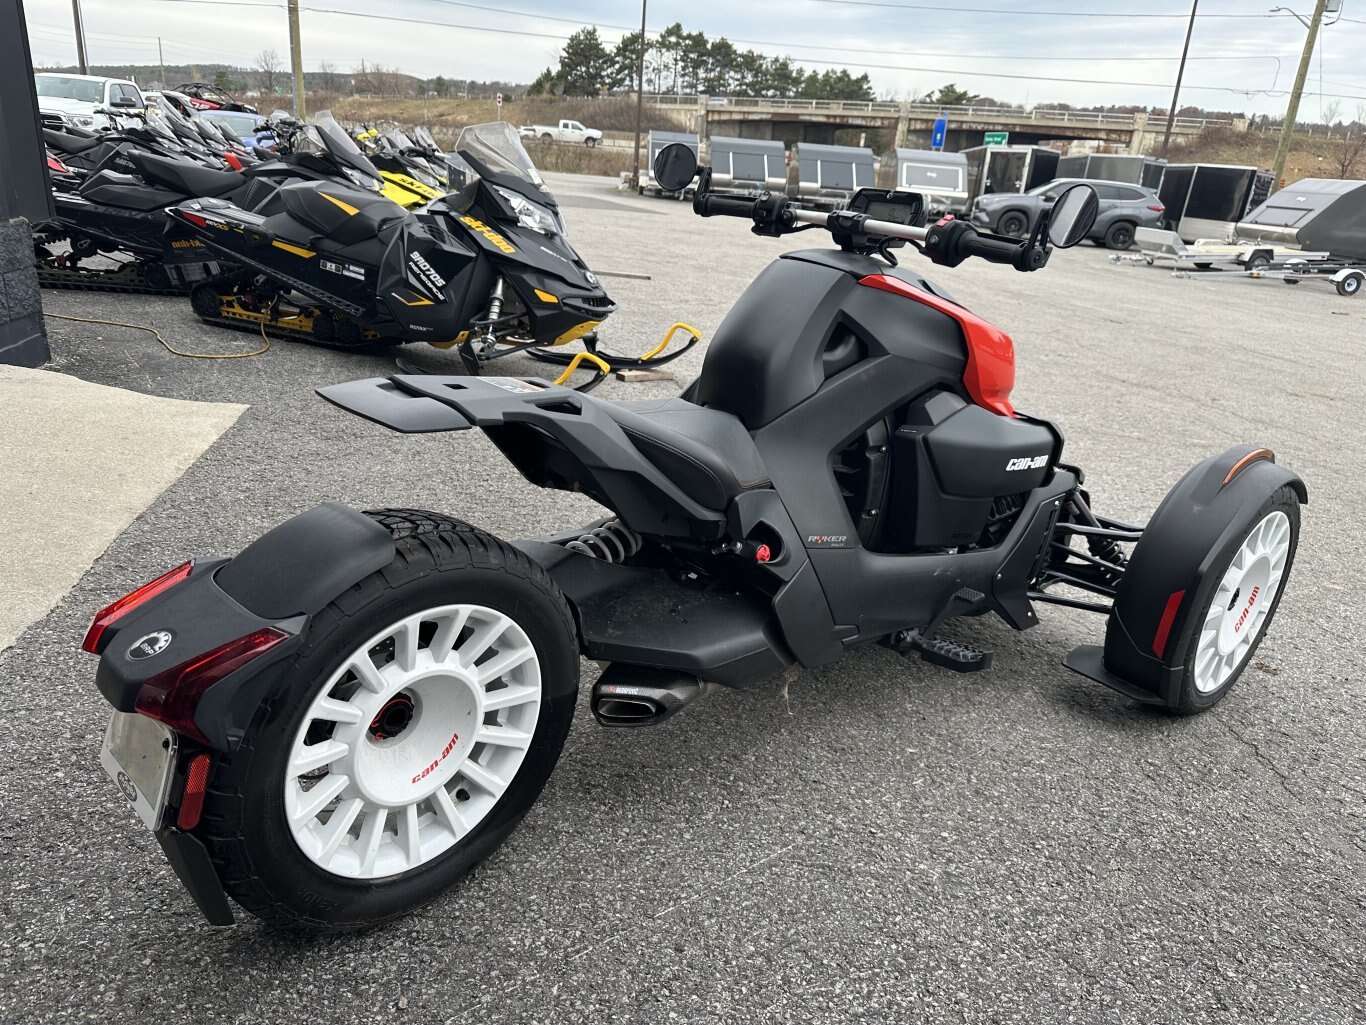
[626, 711]
[642, 696]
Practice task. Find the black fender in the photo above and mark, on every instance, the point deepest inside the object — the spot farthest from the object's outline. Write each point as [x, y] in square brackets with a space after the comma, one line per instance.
[1169, 575]
[280, 580]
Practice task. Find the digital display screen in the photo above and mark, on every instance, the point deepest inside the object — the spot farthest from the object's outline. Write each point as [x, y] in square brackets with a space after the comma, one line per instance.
[897, 213]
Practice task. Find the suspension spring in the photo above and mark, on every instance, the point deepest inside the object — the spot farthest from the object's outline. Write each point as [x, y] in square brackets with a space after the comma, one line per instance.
[613, 541]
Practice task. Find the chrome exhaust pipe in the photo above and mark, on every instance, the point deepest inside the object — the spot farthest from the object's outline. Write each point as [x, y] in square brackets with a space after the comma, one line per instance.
[641, 696]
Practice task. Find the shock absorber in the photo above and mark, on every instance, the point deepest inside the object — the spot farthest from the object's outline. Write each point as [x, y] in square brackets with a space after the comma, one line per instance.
[495, 310]
[612, 541]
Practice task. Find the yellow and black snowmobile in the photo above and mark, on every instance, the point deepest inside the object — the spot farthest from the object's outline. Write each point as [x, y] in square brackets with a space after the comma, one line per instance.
[486, 270]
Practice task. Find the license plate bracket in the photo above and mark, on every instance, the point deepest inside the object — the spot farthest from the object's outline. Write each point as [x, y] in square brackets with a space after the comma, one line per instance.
[139, 754]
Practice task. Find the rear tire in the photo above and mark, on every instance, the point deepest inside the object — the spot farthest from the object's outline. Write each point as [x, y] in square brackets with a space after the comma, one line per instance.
[590, 143]
[278, 858]
[1120, 235]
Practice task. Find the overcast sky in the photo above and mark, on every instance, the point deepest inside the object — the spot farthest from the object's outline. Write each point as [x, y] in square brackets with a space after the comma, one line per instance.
[1021, 51]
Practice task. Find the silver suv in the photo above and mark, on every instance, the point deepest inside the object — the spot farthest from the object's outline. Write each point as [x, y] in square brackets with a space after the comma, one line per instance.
[1124, 206]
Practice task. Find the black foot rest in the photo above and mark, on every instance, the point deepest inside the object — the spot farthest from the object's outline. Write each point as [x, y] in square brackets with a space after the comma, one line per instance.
[951, 654]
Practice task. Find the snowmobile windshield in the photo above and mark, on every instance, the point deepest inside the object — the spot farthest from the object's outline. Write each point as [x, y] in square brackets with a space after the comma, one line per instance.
[399, 140]
[424, 138]
[498, 148]
[341, 145]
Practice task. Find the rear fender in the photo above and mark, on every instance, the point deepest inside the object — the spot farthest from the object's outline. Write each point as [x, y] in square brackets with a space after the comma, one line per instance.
[1170, 573]
[281, 580]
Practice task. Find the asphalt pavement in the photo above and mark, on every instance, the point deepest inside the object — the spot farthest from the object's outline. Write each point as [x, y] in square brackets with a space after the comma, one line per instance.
[881, 841]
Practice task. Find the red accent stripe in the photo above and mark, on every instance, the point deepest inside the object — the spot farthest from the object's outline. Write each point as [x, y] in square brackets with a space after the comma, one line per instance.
[1164, 626]
[990, 373]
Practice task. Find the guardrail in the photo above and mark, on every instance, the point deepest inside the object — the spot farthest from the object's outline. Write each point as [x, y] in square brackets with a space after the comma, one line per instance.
[890, 109]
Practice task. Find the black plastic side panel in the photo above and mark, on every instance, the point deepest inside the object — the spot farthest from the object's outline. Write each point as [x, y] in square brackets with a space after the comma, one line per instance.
[380, 400]
[305, 562]
[643, 617]
[191, 863]
[1188, 530]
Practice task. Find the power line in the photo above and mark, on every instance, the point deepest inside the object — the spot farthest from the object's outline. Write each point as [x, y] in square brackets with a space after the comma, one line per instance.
[1007, 11]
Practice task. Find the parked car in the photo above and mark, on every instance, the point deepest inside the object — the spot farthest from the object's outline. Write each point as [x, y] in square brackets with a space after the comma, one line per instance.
[1123, 208]
[565, 131]
[252, 129]
[70, 101]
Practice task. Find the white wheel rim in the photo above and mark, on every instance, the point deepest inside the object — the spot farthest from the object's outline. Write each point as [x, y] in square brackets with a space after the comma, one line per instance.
[1237, 613]
[412, 741]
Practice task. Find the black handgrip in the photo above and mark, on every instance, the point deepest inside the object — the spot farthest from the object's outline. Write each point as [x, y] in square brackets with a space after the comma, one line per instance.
[724, 206]
[993, 249]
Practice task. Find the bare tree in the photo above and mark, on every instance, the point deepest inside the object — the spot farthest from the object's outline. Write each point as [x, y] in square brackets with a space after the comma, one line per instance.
[327, 77]
[1330, 112]
[267, 68]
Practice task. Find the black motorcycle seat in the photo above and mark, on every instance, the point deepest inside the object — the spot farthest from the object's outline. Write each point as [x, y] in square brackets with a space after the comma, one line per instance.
[346, 216]
[67, 143]
[708, 453]
[186, 178]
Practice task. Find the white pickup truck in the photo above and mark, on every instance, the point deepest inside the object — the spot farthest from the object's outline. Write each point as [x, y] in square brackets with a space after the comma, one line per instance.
[72, 100]
[565, 131]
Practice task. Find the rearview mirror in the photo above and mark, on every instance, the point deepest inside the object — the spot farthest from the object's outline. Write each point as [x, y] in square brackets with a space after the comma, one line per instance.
[675, 167]
[1073, 215]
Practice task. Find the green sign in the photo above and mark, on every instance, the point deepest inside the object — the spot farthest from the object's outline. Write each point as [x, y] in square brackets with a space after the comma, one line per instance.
[996, 138]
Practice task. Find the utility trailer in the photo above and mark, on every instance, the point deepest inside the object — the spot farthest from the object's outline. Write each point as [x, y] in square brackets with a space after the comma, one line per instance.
[747, 166]
[1347, 279]
[1114, 167]
[993, 169]
[941, 178]
[828, 175]
[1168, 248]
[654, 142]
[1207, 200]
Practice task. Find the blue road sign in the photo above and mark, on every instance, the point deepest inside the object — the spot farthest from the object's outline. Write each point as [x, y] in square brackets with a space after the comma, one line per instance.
[941, 129]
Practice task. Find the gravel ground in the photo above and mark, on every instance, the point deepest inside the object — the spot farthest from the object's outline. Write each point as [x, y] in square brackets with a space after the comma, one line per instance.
[886, 842]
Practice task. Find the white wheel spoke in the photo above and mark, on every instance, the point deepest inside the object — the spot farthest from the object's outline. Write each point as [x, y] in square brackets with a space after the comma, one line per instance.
[443, 641]
[370, 836]
[482, 778]
[503, 736]
[448, 813]
[405, 646]
[503, 662]
[309, 804]
[366, 672]
[409, 835]
[507, 697]
[314, 756]
[337, 826]
[333, 710]
[482, 639]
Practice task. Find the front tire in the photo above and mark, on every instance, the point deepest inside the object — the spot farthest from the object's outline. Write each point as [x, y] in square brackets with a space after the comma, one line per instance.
[405, 741]
[1120, 235]
[1014, 224]
[1233, 614]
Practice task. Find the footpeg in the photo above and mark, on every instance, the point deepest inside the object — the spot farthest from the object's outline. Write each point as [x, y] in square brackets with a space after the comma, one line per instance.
[951, 654]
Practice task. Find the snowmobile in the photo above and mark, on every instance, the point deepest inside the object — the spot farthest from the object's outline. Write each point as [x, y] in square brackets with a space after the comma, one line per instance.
[209, 97]
[336, 725]
[405, 169]
[118, 212]
[487, 270]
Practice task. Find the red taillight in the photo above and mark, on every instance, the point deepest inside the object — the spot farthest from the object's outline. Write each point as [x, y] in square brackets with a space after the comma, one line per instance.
[106, 617]
[192, 801]
[53, 164]
[1159, 208]
[170, 697]
[195, 219]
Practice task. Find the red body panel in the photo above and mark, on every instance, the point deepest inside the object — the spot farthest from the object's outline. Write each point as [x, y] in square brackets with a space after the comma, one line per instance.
[990, 374]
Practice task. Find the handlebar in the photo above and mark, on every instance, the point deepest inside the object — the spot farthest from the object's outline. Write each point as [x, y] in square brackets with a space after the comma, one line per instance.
[724, 206]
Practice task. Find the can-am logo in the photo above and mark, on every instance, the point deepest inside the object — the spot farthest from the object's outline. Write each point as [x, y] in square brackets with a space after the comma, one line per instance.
[445, 753]
[1027, 463]
[1247, 609]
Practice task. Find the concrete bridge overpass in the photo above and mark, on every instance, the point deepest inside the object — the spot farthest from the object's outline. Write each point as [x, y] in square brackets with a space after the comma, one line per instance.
[910, 124]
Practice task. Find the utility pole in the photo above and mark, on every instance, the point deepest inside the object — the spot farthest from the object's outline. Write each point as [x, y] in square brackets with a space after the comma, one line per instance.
[640, 89]
[161, 59]
[80, 37]
[296, 60]
[1180, 71]
[1292, 109]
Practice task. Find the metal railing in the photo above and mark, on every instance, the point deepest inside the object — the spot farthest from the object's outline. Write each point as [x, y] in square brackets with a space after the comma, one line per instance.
[891, 109]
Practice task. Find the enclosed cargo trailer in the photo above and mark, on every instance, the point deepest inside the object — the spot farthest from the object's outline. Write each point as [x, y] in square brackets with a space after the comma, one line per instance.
[941, 178]
[1325, 214]
[993, 169]
[1113, 167]
[747, 165]
[1207, 200]
[828, 175]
